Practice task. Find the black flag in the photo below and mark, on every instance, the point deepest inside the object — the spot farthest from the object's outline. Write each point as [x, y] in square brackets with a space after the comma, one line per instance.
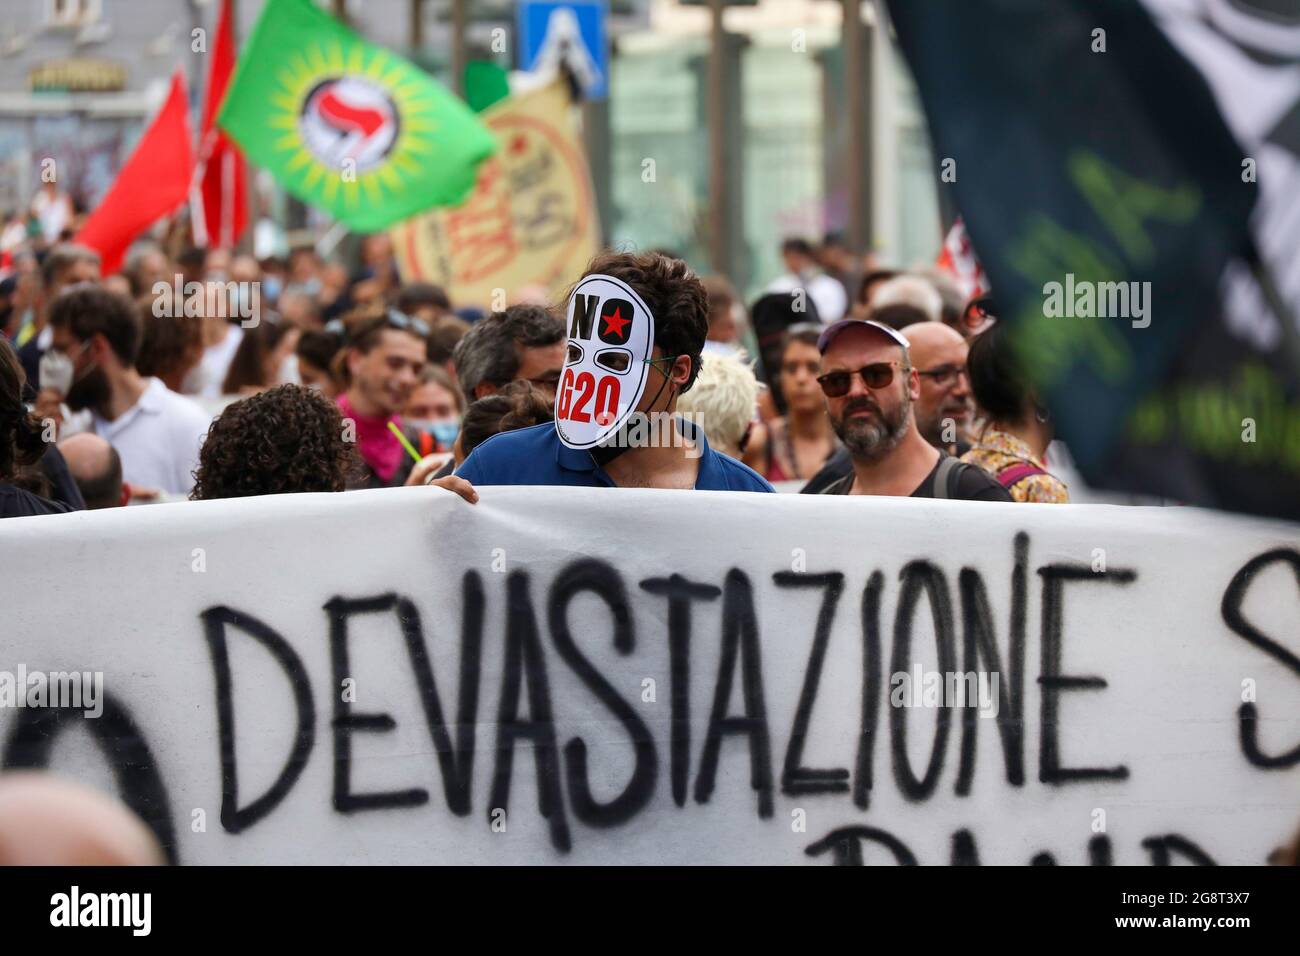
[1138, 214]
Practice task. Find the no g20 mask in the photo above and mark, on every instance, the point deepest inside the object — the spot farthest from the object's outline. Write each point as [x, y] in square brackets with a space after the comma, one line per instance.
[611, 335]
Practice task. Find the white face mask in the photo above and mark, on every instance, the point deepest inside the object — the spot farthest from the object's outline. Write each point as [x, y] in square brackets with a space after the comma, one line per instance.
[56, 371]
[611, 335]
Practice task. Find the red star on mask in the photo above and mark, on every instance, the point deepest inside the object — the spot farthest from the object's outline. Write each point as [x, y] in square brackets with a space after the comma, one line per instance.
[614, 323]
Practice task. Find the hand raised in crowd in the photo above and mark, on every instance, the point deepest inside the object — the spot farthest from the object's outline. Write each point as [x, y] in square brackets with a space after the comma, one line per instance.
[426, 467]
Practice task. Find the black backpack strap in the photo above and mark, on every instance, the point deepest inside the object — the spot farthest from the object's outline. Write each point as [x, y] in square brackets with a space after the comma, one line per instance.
[946, 478]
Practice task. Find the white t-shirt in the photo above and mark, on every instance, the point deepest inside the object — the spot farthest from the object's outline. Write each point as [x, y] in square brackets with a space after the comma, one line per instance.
[158, 439]
[827, 294]
[209, 375]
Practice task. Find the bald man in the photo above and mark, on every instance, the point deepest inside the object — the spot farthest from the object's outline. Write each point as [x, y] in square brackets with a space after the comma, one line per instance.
[97, 470]
[48, 821]
[945, 410]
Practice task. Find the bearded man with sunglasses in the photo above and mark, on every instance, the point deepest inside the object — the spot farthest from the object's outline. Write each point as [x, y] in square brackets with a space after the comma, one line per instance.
[871, 387]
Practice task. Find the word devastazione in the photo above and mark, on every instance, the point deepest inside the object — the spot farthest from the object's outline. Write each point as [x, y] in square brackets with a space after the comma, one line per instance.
[554, 675]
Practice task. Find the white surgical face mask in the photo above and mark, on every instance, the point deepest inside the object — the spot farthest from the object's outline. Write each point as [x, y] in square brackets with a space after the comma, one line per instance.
[56, 371]
[611, 335]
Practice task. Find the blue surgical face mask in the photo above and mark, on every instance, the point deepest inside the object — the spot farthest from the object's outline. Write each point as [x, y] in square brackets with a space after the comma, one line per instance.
[445, 432]
[271, 287]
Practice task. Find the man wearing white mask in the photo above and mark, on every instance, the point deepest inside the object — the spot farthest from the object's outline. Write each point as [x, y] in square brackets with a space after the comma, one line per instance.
[636, 326]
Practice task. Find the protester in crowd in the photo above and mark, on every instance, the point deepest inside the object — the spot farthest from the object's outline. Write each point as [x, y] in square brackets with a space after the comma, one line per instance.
[53, 209]
[723, 330]
[156, 431]
[192, 265]
[265, 357]
[49, 821]
[145, 269]
[794, 445]
[300, 309]
[316, 353]
[247, 453]
[304, 269]
[97, 469]
[773, 315]
[1012, 444]
[275, 275]
[898, 316]
[840, 263]
[517, 404]
[221, 339]
[536, 456]
[871, 281]
[423, 300]
[804, 273]
[908, 289]
[21, 442]
[723, 402]
[65, 265]
[444, 335]
[171, 346]
[378, 367]
[523, 342]
[433, 412]
[938, 352]
[943, 411]
[871, 388]
[950, 293]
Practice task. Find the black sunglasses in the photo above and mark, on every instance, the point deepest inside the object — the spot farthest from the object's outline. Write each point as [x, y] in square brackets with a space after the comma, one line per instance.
[876, 376]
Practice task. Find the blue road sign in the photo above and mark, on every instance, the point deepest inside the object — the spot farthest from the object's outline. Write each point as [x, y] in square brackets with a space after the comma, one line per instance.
[571, 32]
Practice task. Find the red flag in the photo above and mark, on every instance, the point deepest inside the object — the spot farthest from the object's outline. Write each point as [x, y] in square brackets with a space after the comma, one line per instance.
[220, 207]
[152, 183]
[958, 258]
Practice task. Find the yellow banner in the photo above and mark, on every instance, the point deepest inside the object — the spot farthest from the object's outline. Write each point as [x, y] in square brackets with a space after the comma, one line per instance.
[531, 220]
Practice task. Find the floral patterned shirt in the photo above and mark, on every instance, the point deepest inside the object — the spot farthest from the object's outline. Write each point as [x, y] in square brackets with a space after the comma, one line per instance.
[998, 452]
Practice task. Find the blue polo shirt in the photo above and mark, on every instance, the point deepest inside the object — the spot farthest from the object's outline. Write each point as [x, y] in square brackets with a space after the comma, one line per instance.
[536, 456]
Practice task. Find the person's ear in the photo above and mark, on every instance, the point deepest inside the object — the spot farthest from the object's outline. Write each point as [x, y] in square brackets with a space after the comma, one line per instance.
[125, 498]
[681, 373]
[484, 389]
[914, 383]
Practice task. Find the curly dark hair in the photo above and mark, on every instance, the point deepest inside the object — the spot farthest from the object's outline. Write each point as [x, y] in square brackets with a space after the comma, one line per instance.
[21, 433]
[284, 440]
[672, 293]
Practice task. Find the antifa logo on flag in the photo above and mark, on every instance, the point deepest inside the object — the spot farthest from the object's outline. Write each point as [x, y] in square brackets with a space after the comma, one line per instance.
[615, 326]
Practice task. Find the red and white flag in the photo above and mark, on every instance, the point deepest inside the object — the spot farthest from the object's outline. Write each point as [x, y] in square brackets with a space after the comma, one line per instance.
[219, 203]
[958, 259]
[151, 184]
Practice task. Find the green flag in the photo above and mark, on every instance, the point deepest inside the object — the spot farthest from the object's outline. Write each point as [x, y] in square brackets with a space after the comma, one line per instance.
[346, 125]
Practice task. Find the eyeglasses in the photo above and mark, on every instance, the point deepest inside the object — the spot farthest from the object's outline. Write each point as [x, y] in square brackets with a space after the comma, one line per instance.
[944, 375]
[877, 376]
[397, 320]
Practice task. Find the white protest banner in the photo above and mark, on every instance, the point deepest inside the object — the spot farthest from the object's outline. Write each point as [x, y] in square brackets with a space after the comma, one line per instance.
[590, 676]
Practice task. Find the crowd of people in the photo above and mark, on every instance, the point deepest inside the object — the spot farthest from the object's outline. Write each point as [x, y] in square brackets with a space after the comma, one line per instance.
[207, 374]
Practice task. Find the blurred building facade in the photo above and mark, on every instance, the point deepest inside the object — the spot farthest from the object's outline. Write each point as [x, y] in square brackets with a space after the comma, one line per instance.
[79, 77]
